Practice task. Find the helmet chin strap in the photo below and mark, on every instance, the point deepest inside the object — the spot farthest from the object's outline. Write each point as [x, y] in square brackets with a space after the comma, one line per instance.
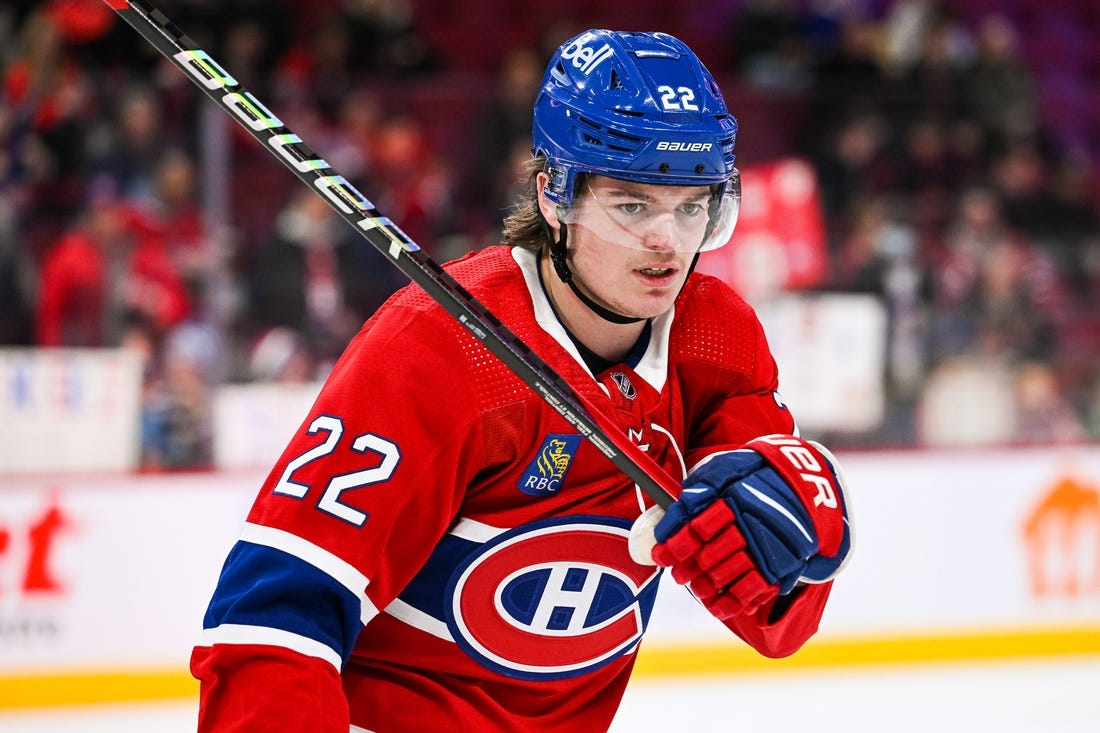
[558, 256]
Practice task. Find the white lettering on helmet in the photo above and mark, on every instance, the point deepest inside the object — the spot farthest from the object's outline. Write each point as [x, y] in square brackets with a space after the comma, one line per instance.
[585, 58]
[674, 146]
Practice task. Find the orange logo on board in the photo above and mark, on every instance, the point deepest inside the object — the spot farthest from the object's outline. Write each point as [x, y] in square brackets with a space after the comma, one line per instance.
[1062, 534]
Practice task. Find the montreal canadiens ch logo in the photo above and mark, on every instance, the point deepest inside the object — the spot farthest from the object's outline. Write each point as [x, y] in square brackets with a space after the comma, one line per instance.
[552, 599]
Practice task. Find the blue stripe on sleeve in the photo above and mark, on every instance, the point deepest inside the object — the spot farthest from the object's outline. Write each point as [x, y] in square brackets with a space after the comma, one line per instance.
[262, 586]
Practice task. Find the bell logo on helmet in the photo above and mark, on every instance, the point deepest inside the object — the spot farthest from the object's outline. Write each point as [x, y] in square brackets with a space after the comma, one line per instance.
[585, 58]
[674, 146]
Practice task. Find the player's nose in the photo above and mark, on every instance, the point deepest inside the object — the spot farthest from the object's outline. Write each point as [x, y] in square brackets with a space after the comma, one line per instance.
[661, 233]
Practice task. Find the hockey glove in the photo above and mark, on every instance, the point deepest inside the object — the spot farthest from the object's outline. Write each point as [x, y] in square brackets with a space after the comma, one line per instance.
[752, 523]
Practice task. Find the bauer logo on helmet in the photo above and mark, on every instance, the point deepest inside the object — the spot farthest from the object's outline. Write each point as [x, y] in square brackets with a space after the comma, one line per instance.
[675, 146]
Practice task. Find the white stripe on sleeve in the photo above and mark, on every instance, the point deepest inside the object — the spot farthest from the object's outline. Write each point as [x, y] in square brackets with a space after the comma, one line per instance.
[241, 634]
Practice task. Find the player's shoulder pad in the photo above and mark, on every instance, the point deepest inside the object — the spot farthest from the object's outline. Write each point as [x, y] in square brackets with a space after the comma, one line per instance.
[489, 274]
[494, 279]
[714, 324]
[480, 272]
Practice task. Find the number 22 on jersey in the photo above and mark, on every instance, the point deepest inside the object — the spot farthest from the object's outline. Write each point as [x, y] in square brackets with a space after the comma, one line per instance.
[330, 501]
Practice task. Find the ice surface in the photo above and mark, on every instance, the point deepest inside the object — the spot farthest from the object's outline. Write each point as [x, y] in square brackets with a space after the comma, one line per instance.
[1021, 697]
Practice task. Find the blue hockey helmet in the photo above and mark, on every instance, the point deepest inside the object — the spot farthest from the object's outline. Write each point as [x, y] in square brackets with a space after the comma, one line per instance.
[633, 106]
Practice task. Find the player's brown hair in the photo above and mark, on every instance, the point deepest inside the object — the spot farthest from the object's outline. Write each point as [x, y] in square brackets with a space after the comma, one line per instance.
[524, 226]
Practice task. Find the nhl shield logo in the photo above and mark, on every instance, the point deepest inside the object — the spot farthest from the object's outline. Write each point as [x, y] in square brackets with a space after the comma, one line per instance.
[624, 384]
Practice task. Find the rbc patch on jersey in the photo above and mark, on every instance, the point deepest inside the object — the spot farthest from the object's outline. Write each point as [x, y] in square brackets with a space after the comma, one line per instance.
[552, 599]
[546, 472]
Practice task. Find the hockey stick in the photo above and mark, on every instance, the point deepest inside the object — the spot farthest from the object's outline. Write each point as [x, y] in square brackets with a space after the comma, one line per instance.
[385, 236]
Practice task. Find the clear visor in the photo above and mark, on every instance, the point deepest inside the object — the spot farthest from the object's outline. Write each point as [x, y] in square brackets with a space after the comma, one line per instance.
[650, 217]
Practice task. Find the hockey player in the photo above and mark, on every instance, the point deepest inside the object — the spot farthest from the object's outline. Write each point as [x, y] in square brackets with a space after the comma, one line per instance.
[438, 550]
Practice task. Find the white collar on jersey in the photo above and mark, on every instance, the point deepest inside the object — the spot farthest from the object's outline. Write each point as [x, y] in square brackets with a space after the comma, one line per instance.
[652, 367]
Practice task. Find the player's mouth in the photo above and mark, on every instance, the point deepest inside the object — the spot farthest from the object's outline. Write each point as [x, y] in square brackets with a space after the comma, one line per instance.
[657, 274]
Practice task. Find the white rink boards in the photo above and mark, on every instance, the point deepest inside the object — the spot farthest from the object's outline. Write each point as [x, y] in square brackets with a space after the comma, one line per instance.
[973, 587]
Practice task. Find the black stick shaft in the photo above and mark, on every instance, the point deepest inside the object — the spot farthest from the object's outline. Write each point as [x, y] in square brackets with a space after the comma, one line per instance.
[384, 235]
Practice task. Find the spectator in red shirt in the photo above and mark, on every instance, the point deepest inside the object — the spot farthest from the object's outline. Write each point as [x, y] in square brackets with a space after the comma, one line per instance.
[100, 271]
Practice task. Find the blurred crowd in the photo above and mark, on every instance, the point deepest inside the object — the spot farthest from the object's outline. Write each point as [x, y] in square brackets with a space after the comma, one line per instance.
[955, 188]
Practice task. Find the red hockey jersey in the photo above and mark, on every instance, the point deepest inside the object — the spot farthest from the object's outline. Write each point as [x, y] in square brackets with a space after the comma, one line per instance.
[438, 549]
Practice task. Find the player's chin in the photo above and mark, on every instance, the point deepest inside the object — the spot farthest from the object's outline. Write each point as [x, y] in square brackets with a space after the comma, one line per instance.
[650, 304]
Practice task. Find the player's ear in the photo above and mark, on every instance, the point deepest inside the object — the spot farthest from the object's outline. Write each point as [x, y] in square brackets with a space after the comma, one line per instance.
[547, 207]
